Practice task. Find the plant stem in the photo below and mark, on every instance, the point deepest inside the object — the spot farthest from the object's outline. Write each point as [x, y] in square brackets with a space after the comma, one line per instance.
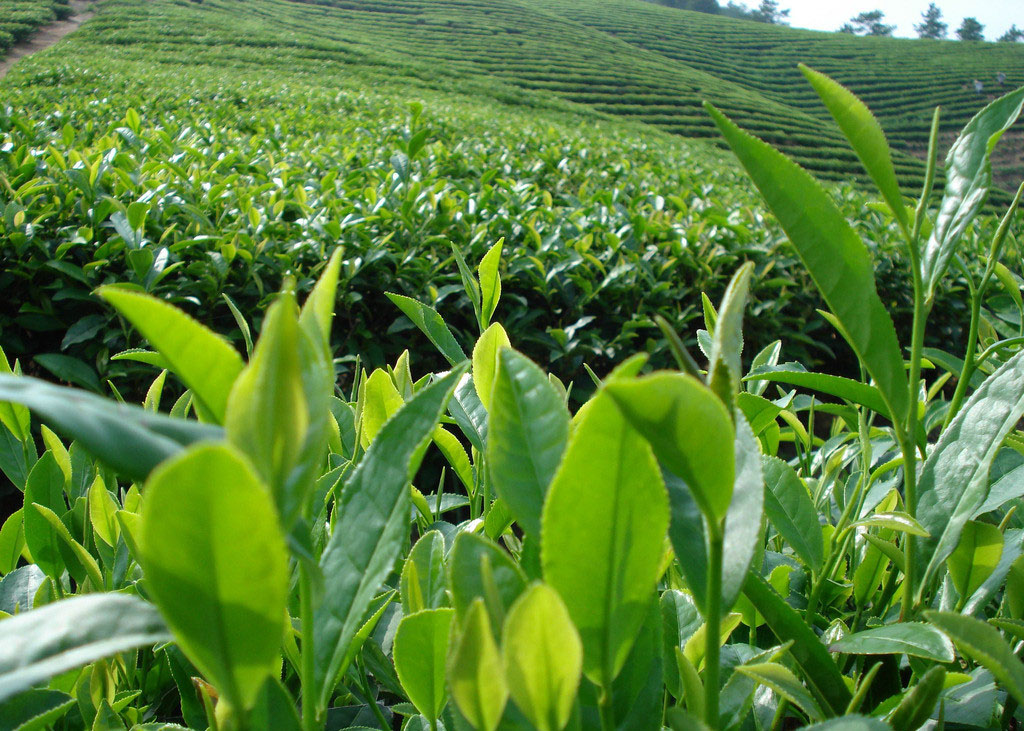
[607, 711]
[713, 625]
[309, 710]
[968, 368]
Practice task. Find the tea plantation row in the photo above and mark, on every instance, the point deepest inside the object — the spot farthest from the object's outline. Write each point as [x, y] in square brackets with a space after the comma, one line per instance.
[22, 18]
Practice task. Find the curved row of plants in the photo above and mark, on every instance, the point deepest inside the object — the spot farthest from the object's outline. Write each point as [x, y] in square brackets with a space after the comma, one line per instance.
[717, 548]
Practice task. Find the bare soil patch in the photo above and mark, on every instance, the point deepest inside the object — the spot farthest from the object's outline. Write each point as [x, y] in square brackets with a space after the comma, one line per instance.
[47, 35]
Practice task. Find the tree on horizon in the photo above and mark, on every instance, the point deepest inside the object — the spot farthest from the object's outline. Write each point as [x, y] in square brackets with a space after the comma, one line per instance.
[970, 30]
[868, 23]
[1012, 35]
[931, 25]
[769, 12]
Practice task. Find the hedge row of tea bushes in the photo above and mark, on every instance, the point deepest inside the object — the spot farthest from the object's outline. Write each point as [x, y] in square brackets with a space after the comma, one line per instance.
[19, 19]
[222, 175]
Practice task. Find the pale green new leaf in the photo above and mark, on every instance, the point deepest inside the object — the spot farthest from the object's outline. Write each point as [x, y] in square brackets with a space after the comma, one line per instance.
[607, 510]
[485, 361]
[44, 642]
[202, 359]
[216, 565]
[381, 400]
[490, 282]
[421, 648]
[865, 136]
[528, 430]
[689, 429]
[724, 368]
[543, 657]
[476, 674]
[833, 253]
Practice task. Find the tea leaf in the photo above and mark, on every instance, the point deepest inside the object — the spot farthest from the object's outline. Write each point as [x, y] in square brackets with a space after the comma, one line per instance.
[847, 389]
[432, 325]
[968, 179]
[744, 521]
[39, 644]
[129, 439]
[35, 709]
[368, 535]
[216, 565]
[724, 367]
[421, 646]
[834, 255]
[689, 429]
[918, 703]
[781, 679]
[975, 557]
[819, 671]
[544, 657]
[45, 487]
[381, 400]
[485, 361]
[607, 511]
[954, 478]
[475, 673]
[490, 282]
[865, 135]
[788, 506]
[478, 568]
[529, 427]
[205, 362]
[423, 580]
[982, 643]
[911, 638]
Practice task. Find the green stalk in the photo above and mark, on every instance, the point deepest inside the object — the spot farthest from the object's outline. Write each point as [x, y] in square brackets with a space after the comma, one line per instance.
[969, 361]
[713, 624]
[309, 704]
[607, 710]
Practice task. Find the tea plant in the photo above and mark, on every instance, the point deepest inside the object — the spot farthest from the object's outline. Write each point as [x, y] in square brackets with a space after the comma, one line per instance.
[460, 550]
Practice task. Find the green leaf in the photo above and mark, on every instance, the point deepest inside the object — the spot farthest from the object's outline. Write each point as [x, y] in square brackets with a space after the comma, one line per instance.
[725, 368]
[202, 359]
[782, 680]
[12, 541]
[424, 580]
[381, 401]
[688, 536]
[45, 487]
[372, 525]
[490, 282]
[476, 674]
[968, 179]
[485, 361]
[847, 389]
[607, 510]
[479, 568]
[432, 325]
[421, 646]
[911, 638]
[982, 643]
[690, 431]
[528, 431]
[34, 709]
[274, 709]
[319, 305]
[71, 633]
[834, 255]
[865, 135]
[788, 506]
[81, 556]
[975, 557]
[954, 479]
[18, 588]
[918, 703]
[215, 563]
[744, 521]
[897, 521]
[819, 671]
[852, 722]
[129, 439]
[543, 657]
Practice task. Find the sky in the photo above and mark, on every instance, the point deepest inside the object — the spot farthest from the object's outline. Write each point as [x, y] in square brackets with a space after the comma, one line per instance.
[995, 15]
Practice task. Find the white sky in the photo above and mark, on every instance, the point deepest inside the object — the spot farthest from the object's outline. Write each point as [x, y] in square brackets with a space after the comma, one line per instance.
[995, 15]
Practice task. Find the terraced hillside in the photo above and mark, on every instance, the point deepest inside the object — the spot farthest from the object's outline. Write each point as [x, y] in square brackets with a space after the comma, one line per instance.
[656, 64]
[19, 19]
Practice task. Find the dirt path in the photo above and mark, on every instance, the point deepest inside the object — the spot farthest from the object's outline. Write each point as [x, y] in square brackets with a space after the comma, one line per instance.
[48, 35]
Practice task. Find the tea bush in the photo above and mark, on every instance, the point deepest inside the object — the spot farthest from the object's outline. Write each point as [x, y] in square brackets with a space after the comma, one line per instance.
[21, 18]
[696, 548]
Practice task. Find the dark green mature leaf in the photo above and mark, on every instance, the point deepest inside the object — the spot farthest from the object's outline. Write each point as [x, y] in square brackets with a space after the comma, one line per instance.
[788, 506]
[424, 580]
[688, 536]
[911, 638]
[782, 680]
[975, 557]
[968, 179]
[954, 480]
[68, 634]
[34, 709]
[367, 538]
[917, 705]
[432, 325]
[852, 722]
[865, 135]
[18, 588]
[216, 565]
[982, 642]
[689, 429]
[469, 413]
[70, 370]
[606, 510]
[834, 255]
[45, 487]
[819, 670]
[744, 521]
[201, 358]
[131, 440]
[847, 389]
[528, 430]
